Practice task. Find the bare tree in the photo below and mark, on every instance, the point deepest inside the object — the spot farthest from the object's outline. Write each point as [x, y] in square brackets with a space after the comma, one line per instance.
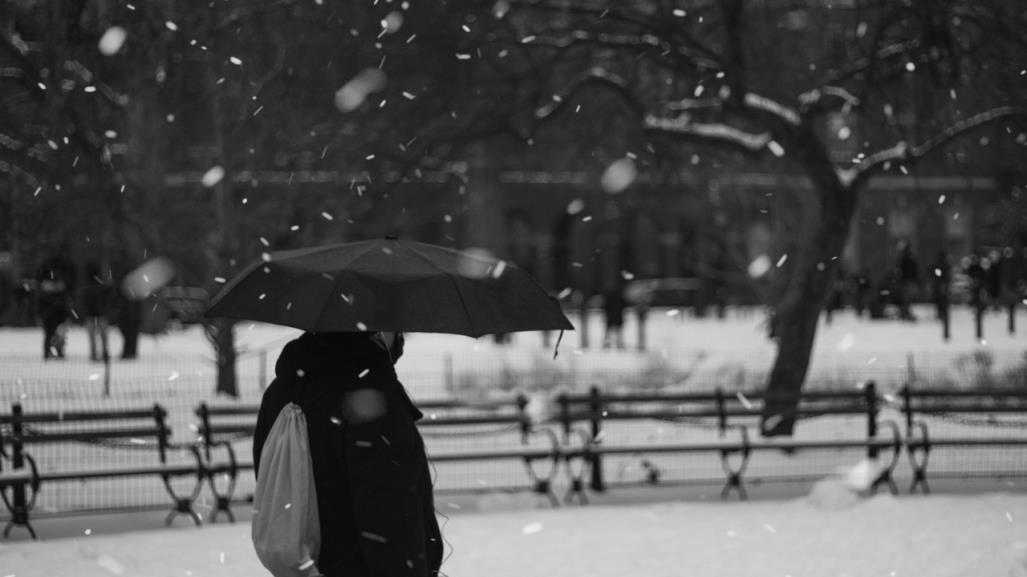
[762, 79]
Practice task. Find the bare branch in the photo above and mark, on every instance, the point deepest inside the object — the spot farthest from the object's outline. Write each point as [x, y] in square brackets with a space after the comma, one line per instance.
[569, 6]
[238, 16]
[686, 104]
[635, 41]
[257, 86]
[713, 132]
[903, 151]
[606, 11]
[37, 169]
[29, 73]
[866, 63]
[596, 77]
[734, 30]
[817, 100]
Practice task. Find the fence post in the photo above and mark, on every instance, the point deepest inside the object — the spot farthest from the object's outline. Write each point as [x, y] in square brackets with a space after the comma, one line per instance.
[870, 392]
[160, 416]
[595, 408]
[583, 329]
[1012, 316]
[18, 459]
[721, 411]
[565, 415]
[907, 408]
[946, 321]
[979, 320]
[642, 312]
[203, 412]
[263, 369]
[522, 412]
[106, 372]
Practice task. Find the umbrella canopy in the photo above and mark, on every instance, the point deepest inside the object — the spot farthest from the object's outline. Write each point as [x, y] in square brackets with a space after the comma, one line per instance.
[389, 285]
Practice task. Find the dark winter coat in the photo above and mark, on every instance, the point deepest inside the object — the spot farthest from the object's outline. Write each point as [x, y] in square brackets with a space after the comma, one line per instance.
[374, 488]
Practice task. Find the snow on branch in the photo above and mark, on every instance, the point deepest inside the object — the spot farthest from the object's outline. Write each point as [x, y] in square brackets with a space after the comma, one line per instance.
[763, 104]
[816, 96]
[710, 131]
[686, 104]
[903, 151]
[867, 63]
[595, 76]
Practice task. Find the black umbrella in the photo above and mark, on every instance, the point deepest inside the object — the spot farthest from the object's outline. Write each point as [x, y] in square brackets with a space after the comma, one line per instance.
[389, 285]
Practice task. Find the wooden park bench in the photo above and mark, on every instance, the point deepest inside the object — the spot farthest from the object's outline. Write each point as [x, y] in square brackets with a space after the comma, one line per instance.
[728, 413]
[220, 426]
[137, 429]
[981, 408]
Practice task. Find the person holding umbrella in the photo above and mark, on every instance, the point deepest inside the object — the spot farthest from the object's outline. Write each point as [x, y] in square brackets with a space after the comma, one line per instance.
[374, 488]
[354, 301]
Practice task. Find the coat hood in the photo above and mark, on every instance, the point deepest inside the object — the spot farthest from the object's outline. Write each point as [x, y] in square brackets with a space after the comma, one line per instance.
[314, 355]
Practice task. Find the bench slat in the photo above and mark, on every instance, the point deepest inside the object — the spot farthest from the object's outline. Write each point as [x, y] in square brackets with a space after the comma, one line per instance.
[950, 408]
[490, 455]
[429, 421]
[232, 410]
[16, 476]
[119, 472]
[969, 442]
[97, 435]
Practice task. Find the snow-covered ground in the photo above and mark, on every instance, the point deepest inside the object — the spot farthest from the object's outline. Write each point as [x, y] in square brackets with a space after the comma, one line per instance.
[939, 536]
[829, 533]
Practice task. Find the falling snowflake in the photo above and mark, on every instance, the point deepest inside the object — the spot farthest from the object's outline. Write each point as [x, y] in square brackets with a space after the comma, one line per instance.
[356, 91]
[531, 528]
[846, 343]
[213, 176]
[112, 40]
[392, 22]
[618, 175]
[759, 266]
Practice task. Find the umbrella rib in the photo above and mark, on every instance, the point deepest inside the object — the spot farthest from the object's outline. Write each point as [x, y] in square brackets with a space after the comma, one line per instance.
[456, 285]
[335, 285]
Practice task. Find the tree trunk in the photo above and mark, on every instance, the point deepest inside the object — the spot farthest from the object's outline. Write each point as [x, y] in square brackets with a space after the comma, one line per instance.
[221, 333]
[813, 273]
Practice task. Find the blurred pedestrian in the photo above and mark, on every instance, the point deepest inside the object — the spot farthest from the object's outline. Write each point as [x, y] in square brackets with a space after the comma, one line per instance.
[56, 278]
[128, 316]
[863, 291]
[941, 280]
[975, 271]
[374, 489]
[995, 279]
[97, 307]
[614, 304]
[837, 295]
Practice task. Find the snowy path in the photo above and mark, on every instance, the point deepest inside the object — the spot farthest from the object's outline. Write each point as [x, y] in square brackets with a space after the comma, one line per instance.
[940, 536]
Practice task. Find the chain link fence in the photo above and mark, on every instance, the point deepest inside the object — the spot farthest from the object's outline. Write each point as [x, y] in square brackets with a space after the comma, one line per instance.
[181, 380]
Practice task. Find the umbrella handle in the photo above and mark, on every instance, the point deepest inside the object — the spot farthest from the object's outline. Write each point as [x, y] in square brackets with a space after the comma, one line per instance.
[556, 349]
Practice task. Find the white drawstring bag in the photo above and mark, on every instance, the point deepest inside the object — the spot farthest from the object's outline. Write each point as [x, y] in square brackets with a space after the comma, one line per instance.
[286, 529]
